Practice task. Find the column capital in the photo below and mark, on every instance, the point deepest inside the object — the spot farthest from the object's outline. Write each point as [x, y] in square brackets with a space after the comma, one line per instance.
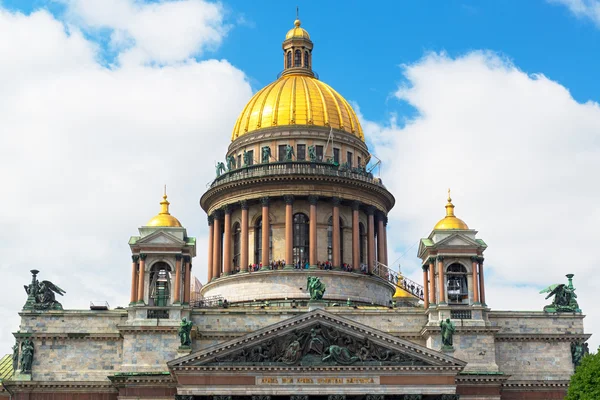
[210, 220]
[289, 199]
[474, 259]
[135, 258]
[227, 209]
[312, 200]
[380, 215]
[264, 201]
[480, 260]
[178, 257]
[431, 260]
[143, 256]
[187, 258]
[355, 205]
[425, 267]
[440, 258]
[244, 204]
[217, 214]
[385, 220]
[336, 201]
[371, 210]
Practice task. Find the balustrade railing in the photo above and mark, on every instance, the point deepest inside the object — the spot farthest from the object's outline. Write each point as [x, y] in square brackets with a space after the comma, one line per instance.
[295, 168]
[412, 287]
[209, 302]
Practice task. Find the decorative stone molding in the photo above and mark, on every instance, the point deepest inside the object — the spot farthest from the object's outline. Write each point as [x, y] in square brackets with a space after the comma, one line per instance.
[540, 337]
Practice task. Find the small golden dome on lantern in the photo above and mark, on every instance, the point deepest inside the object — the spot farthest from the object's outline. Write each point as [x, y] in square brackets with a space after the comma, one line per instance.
[164, 219]
[450, 221]
[297, 32]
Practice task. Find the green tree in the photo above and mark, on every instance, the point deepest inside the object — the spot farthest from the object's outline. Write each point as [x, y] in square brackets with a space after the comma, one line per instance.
[585, 383]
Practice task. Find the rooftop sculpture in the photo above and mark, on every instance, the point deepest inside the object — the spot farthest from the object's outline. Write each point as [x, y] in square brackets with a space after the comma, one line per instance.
[564, 297]
[42, 295]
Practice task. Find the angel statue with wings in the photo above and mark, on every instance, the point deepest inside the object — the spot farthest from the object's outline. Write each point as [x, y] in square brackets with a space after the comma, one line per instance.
[564, 297]
[42, 295]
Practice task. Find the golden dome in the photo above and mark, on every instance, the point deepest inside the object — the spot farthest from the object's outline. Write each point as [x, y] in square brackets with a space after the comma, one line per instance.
[402, 294]
[450, 221]
[164, 218]
[297, 99]
[297, 32]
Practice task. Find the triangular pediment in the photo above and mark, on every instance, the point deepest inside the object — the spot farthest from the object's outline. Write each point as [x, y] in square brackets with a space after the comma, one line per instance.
[457, 240]
[317, 338]
[161, 239]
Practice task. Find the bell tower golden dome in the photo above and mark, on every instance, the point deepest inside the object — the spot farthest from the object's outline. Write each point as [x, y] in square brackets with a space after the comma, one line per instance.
[297, 97]
[450, 221]
[164, 218]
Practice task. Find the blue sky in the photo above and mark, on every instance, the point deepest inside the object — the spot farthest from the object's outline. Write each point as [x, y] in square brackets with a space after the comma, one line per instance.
[496, 99]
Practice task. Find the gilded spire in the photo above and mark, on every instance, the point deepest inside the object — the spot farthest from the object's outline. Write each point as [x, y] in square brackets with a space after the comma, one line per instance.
[164, 204]
[449, 206]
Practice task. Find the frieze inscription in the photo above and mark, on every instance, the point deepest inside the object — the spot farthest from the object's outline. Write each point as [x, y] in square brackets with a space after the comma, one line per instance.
[316, 380]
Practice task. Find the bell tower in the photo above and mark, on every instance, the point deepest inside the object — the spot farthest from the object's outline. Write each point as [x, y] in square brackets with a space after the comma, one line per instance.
[452, 262]
[161, 266]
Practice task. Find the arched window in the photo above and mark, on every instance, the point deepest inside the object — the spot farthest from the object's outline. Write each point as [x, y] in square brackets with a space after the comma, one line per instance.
[457, 283]
[330, 240]
[362, 242]
[301, 239]
[236, 245]
[258, 242]
[160, 280]
[288, 59]
[306, 58]
[297, 58]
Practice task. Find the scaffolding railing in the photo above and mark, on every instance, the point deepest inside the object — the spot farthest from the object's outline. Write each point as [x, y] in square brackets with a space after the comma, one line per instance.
[408, 285]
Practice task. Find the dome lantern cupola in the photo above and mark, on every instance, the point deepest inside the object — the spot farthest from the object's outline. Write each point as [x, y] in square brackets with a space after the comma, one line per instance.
[164, 218]
[297, 51]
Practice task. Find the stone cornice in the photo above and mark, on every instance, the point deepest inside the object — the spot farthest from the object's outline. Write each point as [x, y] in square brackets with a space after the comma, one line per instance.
[405, 369]
[143, 379]
[515, 384]
[60, 386]
[70, 335]
[532, 314]
[146, 328]
[541, 337]
[482, 378]
[428, 330]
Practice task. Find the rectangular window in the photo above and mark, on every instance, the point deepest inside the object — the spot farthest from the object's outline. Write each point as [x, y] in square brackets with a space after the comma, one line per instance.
[239, 161]
[336, 156]
[251, 157]
[359, 162]
[319, 151]
[301, 152]
[349, 158]
[281, 156]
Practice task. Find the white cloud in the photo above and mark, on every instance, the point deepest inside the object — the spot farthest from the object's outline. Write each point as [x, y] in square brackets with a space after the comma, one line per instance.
[522, 158]
[85, 152]
[583, 8]
[163, 32]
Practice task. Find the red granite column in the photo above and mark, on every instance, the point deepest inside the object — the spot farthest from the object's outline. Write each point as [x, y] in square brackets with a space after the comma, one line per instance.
[431, 262]
[188, 280]
[134, 279]
[289, 231]
[385, 243]
[425, 286]
[210, 248]
[140, 285]
[266, 228]
[227, 244]
[370, 238]
[355, 236]
[217, 245]
[336, 233]
[244, 247]
[177, 291]
[481, 282]
[312, 232]
[441, 280]
[474, 261]
[380, 239]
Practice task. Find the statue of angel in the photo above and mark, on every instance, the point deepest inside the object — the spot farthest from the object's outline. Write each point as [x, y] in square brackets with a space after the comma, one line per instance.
[46, 296]
[564, 297]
